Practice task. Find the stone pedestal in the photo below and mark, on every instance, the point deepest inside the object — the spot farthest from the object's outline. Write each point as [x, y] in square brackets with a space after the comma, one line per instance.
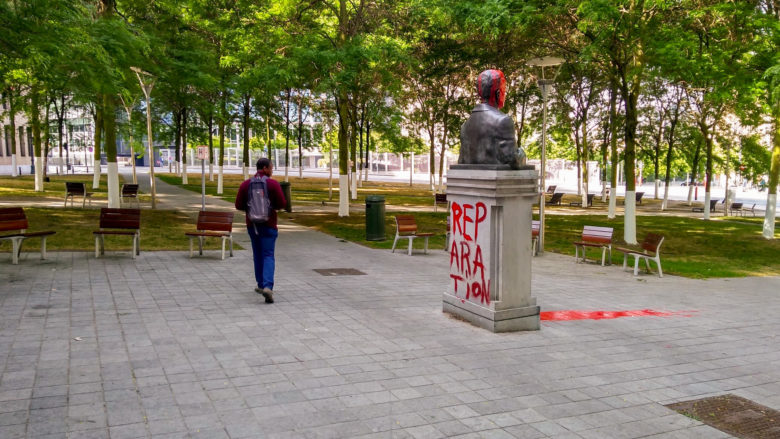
[490, 248]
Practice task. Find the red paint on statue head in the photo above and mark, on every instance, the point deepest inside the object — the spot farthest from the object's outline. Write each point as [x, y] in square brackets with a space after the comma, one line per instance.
[491, 87]
[567, 315]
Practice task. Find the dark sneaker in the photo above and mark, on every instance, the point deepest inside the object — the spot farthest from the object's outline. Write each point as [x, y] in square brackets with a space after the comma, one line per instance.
[258, 290]
[268, 294]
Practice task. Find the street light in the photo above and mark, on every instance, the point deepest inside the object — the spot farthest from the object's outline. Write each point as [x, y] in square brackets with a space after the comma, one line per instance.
[147, 88]
[545, 85]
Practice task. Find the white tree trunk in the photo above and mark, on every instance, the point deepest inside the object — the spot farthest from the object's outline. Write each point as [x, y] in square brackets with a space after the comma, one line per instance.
[300, 170]
[666, 197]
[14, 167]
[113, 185]
[95, 174]
[629, 218]
[343, 195]
[585, 190]
[769, 218]
[39, 173]
[353, 184]
[690, 193]
[219, 181]
[211, 171]
[604, 192]
[706, 209]
[245, 172]
[184, 179]
[657, 188]
[612, 203]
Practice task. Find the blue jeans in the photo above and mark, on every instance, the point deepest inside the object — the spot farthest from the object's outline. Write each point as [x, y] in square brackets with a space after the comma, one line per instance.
[263, 244]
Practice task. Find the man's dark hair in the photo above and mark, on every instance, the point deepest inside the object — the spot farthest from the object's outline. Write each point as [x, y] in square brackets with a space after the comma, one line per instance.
[263, 163]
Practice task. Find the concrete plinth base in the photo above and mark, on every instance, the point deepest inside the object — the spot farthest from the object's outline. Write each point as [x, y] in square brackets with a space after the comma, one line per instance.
[506, 320]
[490, 248]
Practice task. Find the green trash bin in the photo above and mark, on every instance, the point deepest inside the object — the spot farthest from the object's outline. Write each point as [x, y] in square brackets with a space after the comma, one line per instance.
[375, 218]
[286, 191]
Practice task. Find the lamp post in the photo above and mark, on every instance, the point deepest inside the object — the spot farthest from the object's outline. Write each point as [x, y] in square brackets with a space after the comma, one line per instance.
[147, 88]
[544, 85]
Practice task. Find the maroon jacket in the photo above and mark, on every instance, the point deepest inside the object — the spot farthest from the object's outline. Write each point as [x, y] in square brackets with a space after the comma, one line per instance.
[275, 195]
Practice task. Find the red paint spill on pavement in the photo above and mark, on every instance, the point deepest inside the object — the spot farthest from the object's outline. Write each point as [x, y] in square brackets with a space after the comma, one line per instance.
[566, 315]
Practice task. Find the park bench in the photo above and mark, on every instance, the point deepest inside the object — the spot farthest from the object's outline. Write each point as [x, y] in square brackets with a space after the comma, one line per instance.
[701, 208]
[130, 192]
[579, 203]
[555, 200]
[13, 219]
[73, 189]
[594, 236]
[752, 209]
[735, 207]
[216, 225]
[439, 199]
[122, 222]
[406, 227]
[535, 226]
[650, 250]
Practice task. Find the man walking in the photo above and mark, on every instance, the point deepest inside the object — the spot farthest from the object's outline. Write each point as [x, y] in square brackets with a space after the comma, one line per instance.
[260, 197]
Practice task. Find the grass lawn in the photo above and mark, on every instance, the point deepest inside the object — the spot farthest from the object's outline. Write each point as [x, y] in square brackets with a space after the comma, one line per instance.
[727, 247]
[160, 230]
[314, 189]
[22, 187]
[692, 248]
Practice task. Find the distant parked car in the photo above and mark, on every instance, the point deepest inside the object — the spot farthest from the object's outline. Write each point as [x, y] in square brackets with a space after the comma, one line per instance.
[695, 183]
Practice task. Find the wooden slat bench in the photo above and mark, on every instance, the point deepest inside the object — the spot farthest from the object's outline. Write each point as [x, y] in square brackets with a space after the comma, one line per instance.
[125, 222]
[73, 189]
[535, 226]
[736, 207]
[701, 208]
[216, 225]
[751, 209]
[13, 219]
[555, 200]
[579, 203]
[594, 236]
[406, 227]
[130, 192]
[439, 199]
[650, 249]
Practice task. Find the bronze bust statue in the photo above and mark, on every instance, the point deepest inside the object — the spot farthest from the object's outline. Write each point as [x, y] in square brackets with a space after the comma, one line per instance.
[487, 138]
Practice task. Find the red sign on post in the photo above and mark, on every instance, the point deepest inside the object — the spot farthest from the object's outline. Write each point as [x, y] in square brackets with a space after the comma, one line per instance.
[203, 152]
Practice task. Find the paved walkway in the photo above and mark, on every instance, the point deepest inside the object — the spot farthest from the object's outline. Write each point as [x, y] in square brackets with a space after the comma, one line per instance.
[165, 346]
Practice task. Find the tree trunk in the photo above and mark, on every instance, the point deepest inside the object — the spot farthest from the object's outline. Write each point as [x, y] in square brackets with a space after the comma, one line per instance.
[12, 121]
[360, 143]
[47, 139]
[630, 97]
[184, 177]
[774, 177]
[613, 147]
[368, 148]
[245, 157]
[708, 170]
[353, 152]
[177, 141]
[669, 157]
[603, 173]
[585, 158]
[268, 134]
[60, 126]
[35, 113]
[343, 153]
[221, 128]
[287, 137]
[98, 140]
[211, 145]
[109, 132]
